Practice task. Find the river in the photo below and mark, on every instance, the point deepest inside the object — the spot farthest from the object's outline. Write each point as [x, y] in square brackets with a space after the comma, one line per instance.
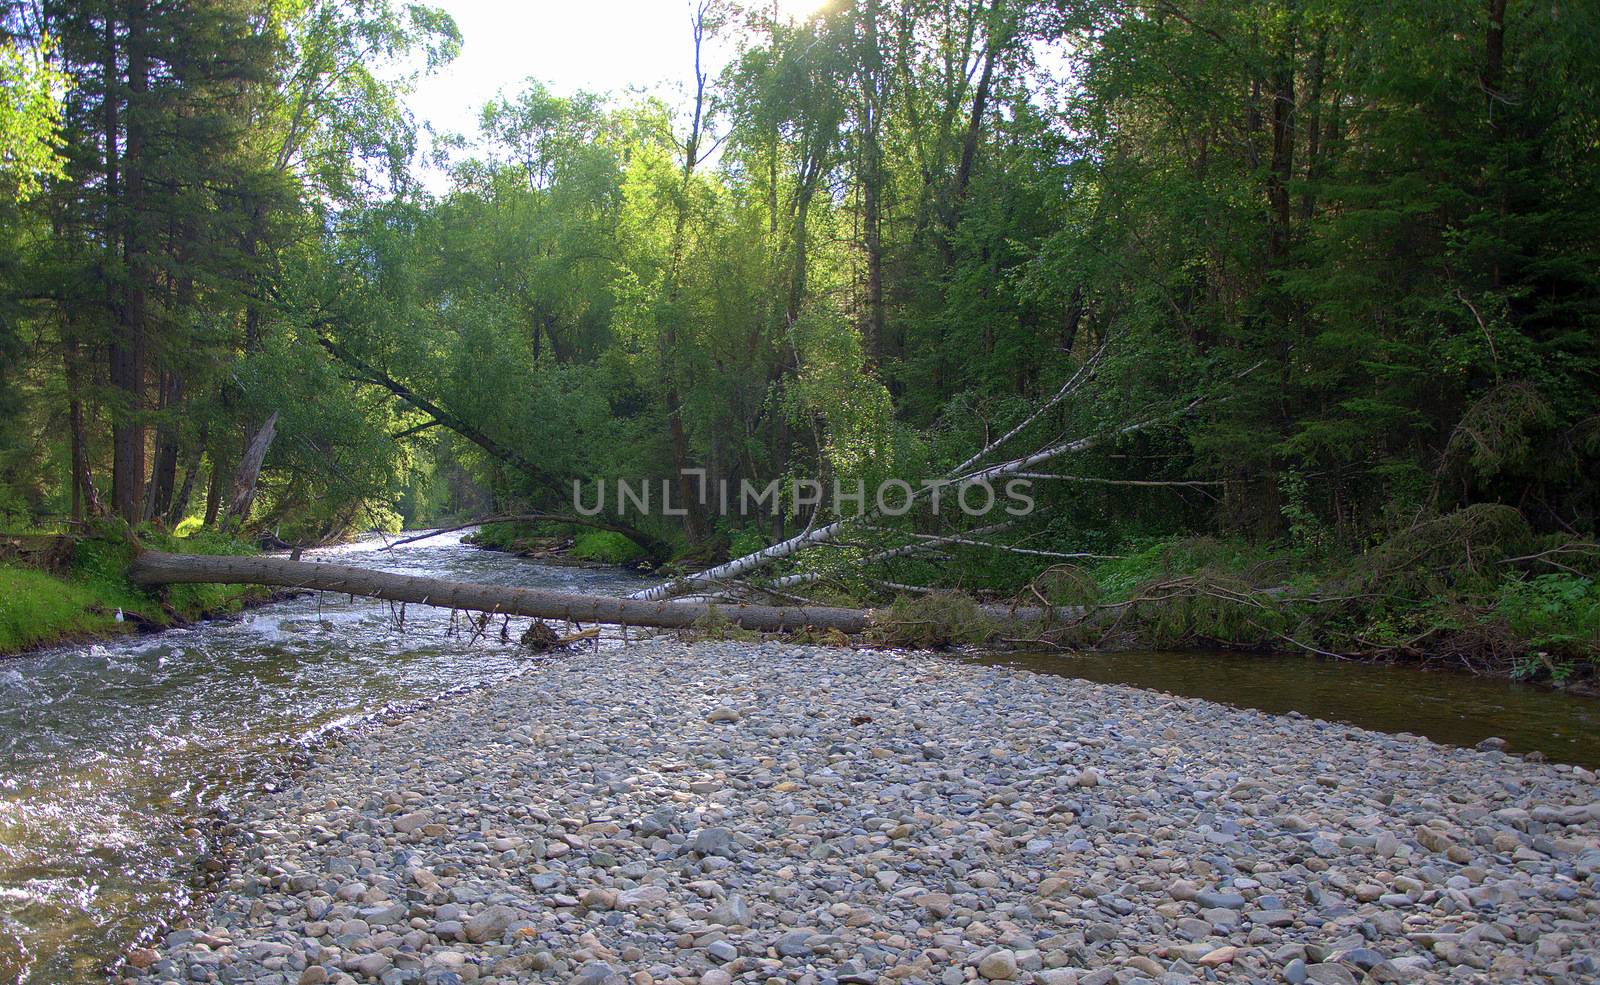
[112, 755]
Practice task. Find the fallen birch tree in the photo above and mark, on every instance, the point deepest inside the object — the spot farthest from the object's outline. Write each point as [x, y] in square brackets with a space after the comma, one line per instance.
[817, 535]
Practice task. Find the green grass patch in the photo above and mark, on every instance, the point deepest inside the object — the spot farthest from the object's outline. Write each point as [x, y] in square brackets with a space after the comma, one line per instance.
[40, 608]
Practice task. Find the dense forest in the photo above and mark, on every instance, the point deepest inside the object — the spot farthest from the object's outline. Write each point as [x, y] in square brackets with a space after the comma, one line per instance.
[1303, 297]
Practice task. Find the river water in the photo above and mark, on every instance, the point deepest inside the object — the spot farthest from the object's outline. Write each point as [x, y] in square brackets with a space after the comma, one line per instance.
[112, 755]
[109, 753]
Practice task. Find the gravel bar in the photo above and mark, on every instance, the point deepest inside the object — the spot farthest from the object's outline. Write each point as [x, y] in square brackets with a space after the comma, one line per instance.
[715, 812]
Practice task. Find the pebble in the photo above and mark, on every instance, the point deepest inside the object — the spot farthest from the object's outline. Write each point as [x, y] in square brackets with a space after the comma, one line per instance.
[999, 966]
[873, 817]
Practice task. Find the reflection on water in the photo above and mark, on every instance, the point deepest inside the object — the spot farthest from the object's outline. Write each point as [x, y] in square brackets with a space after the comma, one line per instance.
[1448, 707]
[110, 753]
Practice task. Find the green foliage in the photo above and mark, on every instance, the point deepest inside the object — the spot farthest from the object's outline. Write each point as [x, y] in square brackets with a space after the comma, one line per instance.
[1556, 618]
[745, 540]
[1307, 532]
[515, 537]
[1462, 550]
[606, 547]
[1122, 578]
[100, 565]
[30, 116]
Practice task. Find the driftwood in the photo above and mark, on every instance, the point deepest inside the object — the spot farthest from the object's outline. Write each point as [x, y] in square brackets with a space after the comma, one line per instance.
[157, 568]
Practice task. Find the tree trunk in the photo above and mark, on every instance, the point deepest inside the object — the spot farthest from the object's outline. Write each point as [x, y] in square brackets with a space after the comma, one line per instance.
[128, 345]
[156, 568]
[164, 471]
[180, 503]
[84, 496]
[688, 489]
[1283, 124]
[497, 451]
[1494, 56]
[214, 493]
[244, 478]
[999, 36]
[872, 98]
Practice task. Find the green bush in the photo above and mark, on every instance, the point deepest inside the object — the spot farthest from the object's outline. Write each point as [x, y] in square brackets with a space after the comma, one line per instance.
[606, 547]
[932, 621]
[518, 536]
[101, 563]
[1557, 618]
[745, 541]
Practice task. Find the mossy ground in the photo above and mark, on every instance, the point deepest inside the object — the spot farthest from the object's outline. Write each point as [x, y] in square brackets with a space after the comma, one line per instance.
[80, 598]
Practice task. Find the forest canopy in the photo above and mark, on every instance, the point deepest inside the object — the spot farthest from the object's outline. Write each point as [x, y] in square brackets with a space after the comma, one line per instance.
[1339, 258]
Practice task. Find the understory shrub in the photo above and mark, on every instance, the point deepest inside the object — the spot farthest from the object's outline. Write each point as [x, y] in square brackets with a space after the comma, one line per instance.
[606, 547]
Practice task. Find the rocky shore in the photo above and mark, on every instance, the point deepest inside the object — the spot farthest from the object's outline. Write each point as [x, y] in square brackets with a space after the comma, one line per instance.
[718, 812]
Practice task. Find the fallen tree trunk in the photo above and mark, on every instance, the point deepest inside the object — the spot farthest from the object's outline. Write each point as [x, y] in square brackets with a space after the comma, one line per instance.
[157, 568]
[153, 568]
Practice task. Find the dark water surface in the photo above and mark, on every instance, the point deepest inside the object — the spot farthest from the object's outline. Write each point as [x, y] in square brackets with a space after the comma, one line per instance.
[109, 754]
[1446, 706]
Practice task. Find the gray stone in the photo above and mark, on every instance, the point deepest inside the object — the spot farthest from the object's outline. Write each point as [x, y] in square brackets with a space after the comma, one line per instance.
[1216, 898]
[796, 943]
[714, 841]
[731, 912]
[596, 973]
[490, 924]
[1330, 974]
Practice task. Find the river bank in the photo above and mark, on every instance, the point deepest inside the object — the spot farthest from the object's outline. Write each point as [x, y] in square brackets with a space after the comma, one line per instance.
[718, 811]
[75, 589]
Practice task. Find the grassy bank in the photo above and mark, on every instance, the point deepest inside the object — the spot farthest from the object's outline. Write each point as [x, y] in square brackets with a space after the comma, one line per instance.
[76, 593]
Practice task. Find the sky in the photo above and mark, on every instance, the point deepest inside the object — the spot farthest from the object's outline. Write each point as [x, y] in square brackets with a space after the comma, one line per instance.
[595, 45]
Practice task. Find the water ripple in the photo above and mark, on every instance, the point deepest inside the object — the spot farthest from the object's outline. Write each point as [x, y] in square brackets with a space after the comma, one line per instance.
[108, 752]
